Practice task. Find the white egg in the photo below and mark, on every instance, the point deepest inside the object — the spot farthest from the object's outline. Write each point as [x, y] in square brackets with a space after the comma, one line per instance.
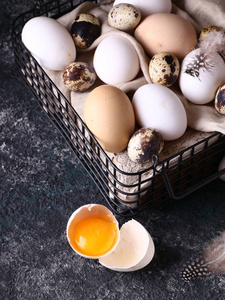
[158, 107]
[134, 251]
[201, 75]
[49, 42]
[149, 7]
[116, 60]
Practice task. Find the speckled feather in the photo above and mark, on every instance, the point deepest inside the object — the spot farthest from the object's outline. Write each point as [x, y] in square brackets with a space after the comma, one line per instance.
[212, 261]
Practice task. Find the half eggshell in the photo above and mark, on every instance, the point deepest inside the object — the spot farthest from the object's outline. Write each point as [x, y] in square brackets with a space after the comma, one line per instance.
[134, 251]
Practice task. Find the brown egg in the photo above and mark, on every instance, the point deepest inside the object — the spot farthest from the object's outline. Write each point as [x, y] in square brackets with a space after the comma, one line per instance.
[166, 32]
[109, 115]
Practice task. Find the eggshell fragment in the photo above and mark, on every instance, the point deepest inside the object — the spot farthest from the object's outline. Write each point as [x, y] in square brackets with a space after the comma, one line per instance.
[116, 60]
[164, 68]
[201, 75]
[149, 7]
[87, 211]
[109, 115]
[124, 17]
[220, 100]
[85, 29]
[166, 32]
[78, 76]
[158, 107]
[134, 251]
[143, 144]
[49, 42]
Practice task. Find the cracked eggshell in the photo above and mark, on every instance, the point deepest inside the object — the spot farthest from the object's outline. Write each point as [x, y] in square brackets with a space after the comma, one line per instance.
[143, 144]
[134, 251]
[49, 42]
[94, 237]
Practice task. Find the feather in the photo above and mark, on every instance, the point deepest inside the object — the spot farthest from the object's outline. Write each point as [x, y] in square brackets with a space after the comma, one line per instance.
[213, 42]
[214, 254]
[211, 262]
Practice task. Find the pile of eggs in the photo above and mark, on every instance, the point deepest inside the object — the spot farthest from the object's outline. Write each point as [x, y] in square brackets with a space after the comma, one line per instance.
[155, 114]
[141, 125]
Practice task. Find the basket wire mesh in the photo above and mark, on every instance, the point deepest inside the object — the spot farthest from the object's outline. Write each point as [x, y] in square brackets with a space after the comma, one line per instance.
[192, 169]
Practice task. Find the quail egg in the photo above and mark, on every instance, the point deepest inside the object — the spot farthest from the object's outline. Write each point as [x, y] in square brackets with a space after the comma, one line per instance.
[164, 68]
[85, 29]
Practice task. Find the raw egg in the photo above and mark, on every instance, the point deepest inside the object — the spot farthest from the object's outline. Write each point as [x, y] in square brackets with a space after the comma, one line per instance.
[116, 60]
[93, 231]
[109, 115]
[166, 32]
[49, 42]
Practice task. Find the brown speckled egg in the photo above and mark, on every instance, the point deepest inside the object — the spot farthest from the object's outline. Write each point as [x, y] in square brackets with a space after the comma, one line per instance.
[124, 17]
[220, 100]
[164, 68]
[143, 144]
[205, 31]
[78, 76]
[85, 30]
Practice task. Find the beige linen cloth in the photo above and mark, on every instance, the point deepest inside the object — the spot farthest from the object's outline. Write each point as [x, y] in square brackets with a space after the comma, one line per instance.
[202, 119]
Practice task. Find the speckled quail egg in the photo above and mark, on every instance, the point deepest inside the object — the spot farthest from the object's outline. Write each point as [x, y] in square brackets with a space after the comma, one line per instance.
[124, 17]
[78, 76]
[85, 29]
[143, 144]
[205, 31]
[164, 68]
[220, 100]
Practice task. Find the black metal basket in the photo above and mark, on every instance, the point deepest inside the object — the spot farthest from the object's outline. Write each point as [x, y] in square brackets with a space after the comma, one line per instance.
[192, 169]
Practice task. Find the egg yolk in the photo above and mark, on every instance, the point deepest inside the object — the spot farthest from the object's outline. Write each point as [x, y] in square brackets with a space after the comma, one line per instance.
[93, 236]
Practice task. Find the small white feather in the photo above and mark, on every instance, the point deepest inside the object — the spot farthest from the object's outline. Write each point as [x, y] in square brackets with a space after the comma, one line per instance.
[214, 255]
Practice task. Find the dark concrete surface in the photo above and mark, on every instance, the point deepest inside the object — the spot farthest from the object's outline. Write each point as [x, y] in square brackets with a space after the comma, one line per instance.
[42, 183]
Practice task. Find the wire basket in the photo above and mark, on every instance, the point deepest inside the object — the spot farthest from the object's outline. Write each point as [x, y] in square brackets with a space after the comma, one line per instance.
[173, 178]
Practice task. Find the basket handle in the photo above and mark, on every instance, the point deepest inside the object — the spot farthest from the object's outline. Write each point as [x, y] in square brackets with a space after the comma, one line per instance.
[193, 188]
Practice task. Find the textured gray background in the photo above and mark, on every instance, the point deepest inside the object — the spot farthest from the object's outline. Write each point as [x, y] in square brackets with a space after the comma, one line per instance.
[42, 183]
